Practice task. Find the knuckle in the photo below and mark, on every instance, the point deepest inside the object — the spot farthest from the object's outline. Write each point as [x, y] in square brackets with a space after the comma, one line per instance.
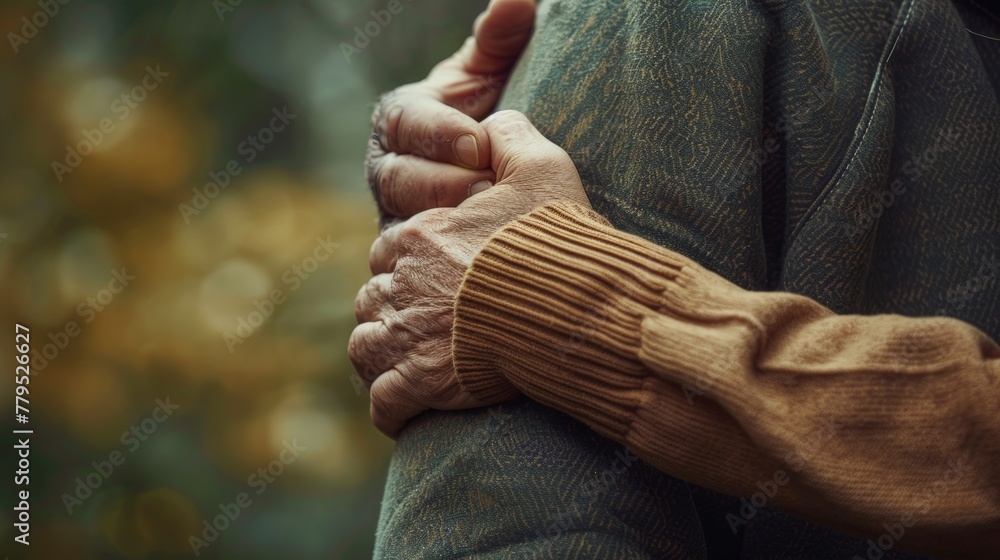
[509, 116]
[355, 350]
[381, 402]
[417, 229]
[369, 374]
[359, 303]
[555, 157]
[516, 132]
[360, 352]
[400, 284]
[377, 405]
[391, 183]
[420, 385]
[401, 137]
[556, 152]
[385, 175]
[390, 335]
[425, 142]
[442, 194]
[509, 122]
[389, 123]
[383, 286]
[373, 253]
[413, 230]
[432, 137]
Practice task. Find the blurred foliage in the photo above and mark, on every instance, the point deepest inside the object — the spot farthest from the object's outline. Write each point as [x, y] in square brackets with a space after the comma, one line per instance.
[201, 266]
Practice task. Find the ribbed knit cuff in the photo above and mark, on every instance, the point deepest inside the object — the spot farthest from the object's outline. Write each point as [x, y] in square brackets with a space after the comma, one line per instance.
[555, 302]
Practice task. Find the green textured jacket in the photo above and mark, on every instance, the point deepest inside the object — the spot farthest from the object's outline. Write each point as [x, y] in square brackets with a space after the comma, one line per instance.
[848, 151]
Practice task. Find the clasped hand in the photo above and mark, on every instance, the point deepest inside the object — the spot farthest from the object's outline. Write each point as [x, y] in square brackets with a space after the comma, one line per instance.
[402, 347]
[428, 162]
[445, 183]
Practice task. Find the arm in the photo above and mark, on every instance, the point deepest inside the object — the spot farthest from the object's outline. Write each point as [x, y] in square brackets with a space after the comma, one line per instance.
[872, 424]
[869, 424]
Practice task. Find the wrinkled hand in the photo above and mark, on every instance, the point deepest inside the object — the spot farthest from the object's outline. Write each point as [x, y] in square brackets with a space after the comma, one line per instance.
[402, 345]
[427, 148]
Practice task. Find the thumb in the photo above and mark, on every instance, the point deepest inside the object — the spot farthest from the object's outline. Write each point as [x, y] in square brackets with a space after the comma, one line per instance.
[471, 79]
[513, 139]
[499, 35]
[525, 159]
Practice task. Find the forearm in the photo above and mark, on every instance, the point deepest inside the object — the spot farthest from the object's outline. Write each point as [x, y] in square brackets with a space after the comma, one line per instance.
[728, 388]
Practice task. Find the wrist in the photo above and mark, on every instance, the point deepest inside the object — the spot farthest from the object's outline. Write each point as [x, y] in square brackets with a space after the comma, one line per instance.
[532, 290]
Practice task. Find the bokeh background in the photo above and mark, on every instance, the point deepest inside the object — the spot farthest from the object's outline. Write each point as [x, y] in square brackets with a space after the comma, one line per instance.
[140, 280]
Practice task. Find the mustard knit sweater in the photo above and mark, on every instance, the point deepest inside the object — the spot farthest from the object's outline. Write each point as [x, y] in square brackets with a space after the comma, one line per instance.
[877, 425]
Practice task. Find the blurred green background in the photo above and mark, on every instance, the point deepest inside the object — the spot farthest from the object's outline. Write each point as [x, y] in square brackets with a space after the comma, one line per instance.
[172, 244]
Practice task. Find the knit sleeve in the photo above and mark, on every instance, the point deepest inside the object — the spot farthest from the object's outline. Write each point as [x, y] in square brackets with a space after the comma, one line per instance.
[877, 425]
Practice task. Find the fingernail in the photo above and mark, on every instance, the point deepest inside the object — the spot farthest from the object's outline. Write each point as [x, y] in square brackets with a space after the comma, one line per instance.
[467, 150]
[479, 186]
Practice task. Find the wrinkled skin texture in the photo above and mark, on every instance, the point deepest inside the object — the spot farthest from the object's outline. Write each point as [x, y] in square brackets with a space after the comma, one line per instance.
[402, 345]
[427, 146]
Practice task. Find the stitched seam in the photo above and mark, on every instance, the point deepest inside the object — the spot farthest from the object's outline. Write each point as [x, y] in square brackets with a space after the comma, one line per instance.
[845, 163]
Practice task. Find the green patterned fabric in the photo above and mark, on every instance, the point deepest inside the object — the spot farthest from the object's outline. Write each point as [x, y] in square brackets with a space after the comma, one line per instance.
[844, 150]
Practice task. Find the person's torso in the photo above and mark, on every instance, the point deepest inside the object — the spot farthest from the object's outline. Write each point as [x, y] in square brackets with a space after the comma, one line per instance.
[847, 151]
